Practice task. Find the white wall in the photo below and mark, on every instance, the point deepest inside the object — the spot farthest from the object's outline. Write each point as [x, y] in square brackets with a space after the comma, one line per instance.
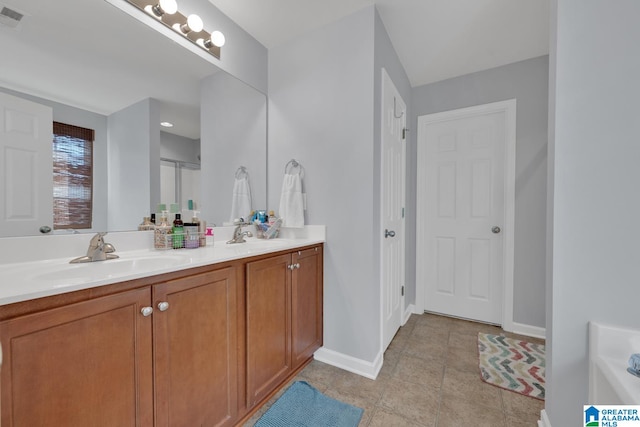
[527, 81]
[596, 202]
[321, 112]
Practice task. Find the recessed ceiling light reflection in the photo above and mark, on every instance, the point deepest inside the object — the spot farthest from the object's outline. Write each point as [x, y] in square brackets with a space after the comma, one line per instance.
[166, 124]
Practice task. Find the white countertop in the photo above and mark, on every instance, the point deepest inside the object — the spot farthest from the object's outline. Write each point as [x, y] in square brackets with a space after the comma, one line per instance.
[22, 281]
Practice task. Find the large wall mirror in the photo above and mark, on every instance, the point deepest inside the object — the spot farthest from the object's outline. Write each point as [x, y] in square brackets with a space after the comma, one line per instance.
[98, 67]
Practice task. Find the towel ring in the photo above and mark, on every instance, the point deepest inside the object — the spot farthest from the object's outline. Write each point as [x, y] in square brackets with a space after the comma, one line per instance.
[292, 165]
[242, 171]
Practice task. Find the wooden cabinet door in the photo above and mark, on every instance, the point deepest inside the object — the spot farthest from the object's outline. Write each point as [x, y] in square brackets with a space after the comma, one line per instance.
[268, 323]
[195, 350]
[306, 299]
[85, 364]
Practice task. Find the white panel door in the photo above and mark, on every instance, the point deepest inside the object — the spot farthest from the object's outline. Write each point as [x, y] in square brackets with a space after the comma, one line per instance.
[26, 181]
[461, 213]
[393, 198]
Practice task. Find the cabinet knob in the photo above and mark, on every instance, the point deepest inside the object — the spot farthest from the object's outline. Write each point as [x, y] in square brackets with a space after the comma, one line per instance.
[297, 265]
[290, 266]
[146, 311]
[163, 306]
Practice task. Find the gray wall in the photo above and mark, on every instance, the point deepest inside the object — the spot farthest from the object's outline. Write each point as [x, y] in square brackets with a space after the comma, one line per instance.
[242, 55]
[233, 120]
[595, 152]
[527, 81]
[321, 112]
[134, 164]
[83, 118]
[179, 148]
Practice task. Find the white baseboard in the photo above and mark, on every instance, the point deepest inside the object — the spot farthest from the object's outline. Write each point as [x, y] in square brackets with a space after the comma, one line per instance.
[544, 419]
[348, 363]
[528, 330]
[411, 309]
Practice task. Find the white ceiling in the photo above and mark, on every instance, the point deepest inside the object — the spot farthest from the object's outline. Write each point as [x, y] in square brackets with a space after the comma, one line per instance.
[434, 39]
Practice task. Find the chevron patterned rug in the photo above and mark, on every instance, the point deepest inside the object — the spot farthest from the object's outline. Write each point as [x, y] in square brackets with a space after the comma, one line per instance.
[512, 364]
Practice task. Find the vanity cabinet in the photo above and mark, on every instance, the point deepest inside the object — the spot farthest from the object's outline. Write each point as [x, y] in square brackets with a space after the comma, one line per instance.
[195, 347]
[283, 317]
[99, 359]
[88, 363]
[200, 347]
[306, 304]
[268, 325]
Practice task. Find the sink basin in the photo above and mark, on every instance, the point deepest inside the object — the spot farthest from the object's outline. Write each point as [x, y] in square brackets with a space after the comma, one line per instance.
[111, 268]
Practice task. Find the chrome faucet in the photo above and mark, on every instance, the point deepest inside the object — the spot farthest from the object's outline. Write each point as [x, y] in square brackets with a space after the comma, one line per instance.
[98, 250]
[238, 234]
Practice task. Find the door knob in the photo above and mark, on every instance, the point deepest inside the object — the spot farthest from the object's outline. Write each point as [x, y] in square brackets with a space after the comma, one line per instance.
[495, 229]
[389, 233]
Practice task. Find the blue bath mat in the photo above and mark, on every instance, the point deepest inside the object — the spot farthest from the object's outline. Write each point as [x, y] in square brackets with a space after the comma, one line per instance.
[304, 406]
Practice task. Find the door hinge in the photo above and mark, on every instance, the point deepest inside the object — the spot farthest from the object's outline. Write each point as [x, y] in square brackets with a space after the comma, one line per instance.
[402, 291]
[402, 212]
[404, 133]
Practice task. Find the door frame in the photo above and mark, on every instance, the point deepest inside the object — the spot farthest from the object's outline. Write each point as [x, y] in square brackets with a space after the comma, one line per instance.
[386, 79]
[508, 107]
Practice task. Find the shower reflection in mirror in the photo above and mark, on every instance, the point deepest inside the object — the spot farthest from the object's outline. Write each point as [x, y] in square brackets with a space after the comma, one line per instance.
[179, 182]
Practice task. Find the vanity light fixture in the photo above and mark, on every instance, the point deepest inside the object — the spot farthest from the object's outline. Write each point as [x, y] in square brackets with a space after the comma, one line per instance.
[190, 27]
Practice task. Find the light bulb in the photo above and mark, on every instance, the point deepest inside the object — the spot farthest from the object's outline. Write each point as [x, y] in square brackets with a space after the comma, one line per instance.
[169, 6]
[165, 6]
[194, 23]
[217, 38]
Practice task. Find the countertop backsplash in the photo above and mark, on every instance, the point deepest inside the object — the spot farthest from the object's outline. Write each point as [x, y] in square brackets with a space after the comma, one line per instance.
[54, 246]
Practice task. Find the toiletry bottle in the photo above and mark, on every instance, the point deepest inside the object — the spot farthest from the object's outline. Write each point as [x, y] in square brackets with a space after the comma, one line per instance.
[209, 236]
[153, 218]
[191, 238]
[162, 233]
[146, 224]
[272, 218]
[178, 232]
[202, 228]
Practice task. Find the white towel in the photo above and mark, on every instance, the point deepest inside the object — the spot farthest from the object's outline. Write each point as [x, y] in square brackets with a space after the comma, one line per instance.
[292, 202]
[241, 199]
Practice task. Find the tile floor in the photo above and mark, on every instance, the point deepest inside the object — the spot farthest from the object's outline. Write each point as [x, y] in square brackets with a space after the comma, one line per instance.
[429, 378]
